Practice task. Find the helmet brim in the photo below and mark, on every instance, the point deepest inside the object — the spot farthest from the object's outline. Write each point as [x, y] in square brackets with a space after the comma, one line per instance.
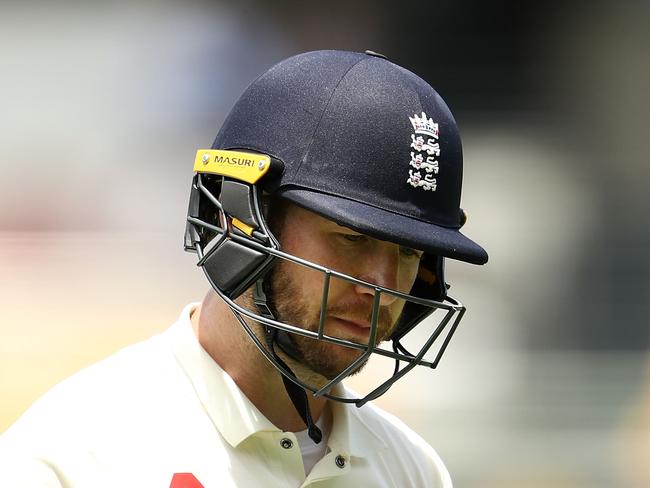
[389, 226]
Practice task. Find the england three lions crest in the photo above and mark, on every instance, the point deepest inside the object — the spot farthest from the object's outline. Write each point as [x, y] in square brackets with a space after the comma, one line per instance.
[427, 148]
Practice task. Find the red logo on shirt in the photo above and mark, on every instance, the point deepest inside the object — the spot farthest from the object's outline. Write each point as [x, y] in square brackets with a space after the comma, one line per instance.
[185, 480]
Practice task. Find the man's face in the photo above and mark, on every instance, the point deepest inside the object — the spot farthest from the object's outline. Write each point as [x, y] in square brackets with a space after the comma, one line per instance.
[297, 291]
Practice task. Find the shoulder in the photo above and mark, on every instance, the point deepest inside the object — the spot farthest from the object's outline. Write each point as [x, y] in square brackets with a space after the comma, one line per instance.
[410, 455]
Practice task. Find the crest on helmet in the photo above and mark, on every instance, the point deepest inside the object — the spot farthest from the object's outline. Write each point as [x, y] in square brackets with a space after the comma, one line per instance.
[425, 142]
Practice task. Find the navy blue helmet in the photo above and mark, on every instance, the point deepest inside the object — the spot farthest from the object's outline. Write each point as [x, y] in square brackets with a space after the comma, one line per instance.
[358, 140]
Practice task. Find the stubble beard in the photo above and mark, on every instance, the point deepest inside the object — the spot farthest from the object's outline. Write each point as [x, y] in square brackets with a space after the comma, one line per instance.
[323, 358]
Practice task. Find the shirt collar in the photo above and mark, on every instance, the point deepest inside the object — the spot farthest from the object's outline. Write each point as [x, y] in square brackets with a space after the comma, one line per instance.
[235, 416]
[232, 413]
[350, 431]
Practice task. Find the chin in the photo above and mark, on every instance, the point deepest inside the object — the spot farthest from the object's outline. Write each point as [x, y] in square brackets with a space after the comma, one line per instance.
[331, 359]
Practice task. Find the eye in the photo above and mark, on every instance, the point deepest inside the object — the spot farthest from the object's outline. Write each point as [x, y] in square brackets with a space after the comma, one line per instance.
[353, 237]
[410, 253]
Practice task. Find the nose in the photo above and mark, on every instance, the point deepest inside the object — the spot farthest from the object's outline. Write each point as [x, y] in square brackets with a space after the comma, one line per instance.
[380, 267]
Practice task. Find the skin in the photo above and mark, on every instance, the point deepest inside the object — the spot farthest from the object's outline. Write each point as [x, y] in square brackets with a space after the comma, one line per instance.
[296, 292]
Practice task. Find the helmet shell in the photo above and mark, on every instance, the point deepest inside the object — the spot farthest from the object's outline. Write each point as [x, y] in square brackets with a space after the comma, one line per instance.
[364, 142]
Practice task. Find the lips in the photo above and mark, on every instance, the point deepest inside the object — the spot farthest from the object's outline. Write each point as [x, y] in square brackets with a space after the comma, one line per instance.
[353, 327]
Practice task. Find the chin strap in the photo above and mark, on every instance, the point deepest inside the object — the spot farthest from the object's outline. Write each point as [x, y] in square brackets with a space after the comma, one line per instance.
[274, 336]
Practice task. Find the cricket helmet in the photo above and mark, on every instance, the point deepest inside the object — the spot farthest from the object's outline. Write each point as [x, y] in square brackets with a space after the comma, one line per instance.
[358, 140]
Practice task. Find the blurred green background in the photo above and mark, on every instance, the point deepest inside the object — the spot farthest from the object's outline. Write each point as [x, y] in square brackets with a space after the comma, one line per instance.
[547, 382]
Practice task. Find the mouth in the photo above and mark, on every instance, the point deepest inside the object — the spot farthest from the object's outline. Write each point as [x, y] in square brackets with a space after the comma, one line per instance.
[353, 328]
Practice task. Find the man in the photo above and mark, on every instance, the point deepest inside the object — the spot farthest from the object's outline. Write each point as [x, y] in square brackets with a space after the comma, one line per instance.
[321, 217]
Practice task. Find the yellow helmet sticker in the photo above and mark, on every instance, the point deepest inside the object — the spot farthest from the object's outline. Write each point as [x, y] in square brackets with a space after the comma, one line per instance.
[247, 167]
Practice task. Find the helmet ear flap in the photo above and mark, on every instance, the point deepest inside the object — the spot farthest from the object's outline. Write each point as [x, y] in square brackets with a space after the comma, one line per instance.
[224, 224]
[429, 284]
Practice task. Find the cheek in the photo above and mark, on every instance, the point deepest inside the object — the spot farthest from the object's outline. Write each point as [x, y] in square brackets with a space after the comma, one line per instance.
[340, 292]
[318, 252]
[302, 287]
[407, 275]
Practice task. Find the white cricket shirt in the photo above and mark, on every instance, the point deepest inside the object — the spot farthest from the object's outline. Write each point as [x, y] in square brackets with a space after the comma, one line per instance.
[162, 413]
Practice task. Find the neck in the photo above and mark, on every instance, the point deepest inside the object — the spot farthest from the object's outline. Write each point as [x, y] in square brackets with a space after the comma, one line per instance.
[225, 340]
